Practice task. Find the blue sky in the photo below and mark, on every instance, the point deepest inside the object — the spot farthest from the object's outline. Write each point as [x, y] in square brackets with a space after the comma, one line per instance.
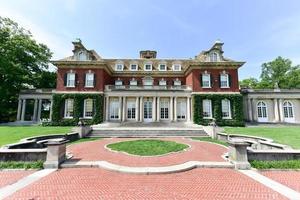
[254, 31]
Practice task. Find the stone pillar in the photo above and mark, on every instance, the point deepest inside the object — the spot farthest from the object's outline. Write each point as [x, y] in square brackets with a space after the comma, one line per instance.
[158, 110]
[276, 111]
[175, 109]
[137, 113]
[56, 153]
[34, 118]
[171, 109]
[107, 108]
[124, 109]
[23, 110]
[238, 153]
[249, 109]
[39, 110]
[120, 109]
[19, 110]
[188, 111]
[141, 109]
[253, 109]
[51, 109]
[154, 109]
[281, 115]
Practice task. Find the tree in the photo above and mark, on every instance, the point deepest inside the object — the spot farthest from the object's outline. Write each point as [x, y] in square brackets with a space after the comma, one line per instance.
[249, 83]
[45, 79]
[22, 59]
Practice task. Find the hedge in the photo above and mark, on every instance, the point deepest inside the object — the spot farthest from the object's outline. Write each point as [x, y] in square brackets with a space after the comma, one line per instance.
[236, 104]
[58, 109]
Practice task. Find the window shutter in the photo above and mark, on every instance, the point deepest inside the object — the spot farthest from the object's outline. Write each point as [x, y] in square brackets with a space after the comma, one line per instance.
[62, 109]
[219, 80]
[76, 80]
[201, 84]
[212, 108]
[94, 80]
[84, 80]
[211, 80]
[229, 80]
[65, 79]
[82, 108]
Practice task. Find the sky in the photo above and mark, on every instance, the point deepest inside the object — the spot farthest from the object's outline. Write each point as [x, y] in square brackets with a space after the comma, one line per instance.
[254, 31]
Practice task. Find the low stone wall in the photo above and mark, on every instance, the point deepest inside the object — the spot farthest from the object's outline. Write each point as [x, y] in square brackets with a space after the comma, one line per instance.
[270, 155]
[25, 155]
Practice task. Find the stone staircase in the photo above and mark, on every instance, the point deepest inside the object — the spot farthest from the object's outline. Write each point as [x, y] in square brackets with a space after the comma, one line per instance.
[154, 129]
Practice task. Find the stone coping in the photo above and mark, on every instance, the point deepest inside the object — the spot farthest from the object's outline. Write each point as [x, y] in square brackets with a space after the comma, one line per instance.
[146, 170]
[279, 151]
[3, 150]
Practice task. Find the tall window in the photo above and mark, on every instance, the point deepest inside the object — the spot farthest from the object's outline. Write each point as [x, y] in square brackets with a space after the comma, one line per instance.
[162, 67]
[164, 109]
[88, 108]
[89, 80]
[114, 109]
[224, 81]
[226, 111]
[119, 67]
[148, 67]
[288, 110]
[133, 67]
[213, 57]
[206, 81]
[71, 80]
[261, 109]
[207, 109]
[181, 109]
[69, 109]
[176, 67]
[131, 110]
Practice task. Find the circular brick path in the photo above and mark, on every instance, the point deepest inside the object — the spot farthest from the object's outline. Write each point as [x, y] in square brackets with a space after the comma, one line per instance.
[95, 150]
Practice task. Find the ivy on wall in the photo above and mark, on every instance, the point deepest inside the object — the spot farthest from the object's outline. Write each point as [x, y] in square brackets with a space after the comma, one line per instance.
[59, 104]
[236, 105]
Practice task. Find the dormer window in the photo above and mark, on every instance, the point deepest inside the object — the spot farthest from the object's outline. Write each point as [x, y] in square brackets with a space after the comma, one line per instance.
[82, 56]
[176, 67]
[119, 67]
[213, 57]
[162, 67]
[148, 67]
[133, 67]
[133, 82]
[162, 82]
[177, 82]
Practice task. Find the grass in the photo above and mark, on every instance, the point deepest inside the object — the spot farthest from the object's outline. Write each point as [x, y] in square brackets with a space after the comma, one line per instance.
[208, 139]
[21, 165]
[147, 147]
[84, 140]
[12, 134]
[282, 164]
[289, 135]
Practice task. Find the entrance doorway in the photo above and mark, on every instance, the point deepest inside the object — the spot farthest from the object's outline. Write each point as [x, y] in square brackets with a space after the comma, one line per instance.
[148, 110]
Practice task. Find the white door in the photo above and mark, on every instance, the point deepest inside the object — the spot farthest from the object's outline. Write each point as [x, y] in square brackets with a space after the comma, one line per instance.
[181, 109]
[148, 110]
[164, 109]
[114, 110]
[288, 112]
[262, 115]
[131, 110]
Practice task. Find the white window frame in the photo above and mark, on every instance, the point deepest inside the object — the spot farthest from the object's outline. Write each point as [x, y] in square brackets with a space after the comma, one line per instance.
[164, 109]
[131, 110]
[203, 81]
[67, 113]
[181, 109]
[118, 65]
[162, 64]
[137, 66]
[162, 82]
[82, 56]
[288, 111]
[176, 65]
[114, 105]
[227, 81]
[226, 102]
[118, 82]
[69, 81]
[262, 115]
[91, 81]
[133, 82]
[146, 65]
[177, 82]
[84, 109]
[213, 57]
[209, 111]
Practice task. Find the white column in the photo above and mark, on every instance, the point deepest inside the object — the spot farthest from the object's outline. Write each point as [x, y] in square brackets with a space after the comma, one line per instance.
[137, 109]
[19, 110]
[171, 109]
[107, 108]
[23, 110]
[120, 108]
[34, 118]
[249, 109]
[39, 110]
[51, 105]
[158, 109]
[124, 109]
[141, 109]
[188, 111]
[281, 115]
[154, 109]
[175, 109]
[253, 109]
[276, 110]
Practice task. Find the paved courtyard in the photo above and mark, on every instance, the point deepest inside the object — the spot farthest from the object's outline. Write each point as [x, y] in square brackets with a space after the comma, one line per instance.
[198, 151]
[288, 178]
[12, 176]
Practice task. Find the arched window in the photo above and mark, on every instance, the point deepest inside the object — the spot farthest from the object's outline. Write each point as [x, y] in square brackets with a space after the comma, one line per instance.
[82, 56]
[262, 111]
[288, 109]
[213, 57]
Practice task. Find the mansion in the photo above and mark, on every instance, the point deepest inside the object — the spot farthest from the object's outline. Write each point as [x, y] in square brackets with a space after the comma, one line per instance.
[144, 89]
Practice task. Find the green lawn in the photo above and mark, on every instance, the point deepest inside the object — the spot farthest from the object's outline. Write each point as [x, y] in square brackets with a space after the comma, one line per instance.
[147, 147]
[12, 134]
[289, 135]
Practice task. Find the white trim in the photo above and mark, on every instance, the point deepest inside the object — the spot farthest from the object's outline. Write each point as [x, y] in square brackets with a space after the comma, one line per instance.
[173, 67]
[209, 75]
[137, 67]
[119, 64]
[86, 75]
[262, 118]
[68, 79]
[84, 109]
[288, 119]
[77, 92]
[65, 110]
[227, 80]
[210, 108]
[164, 65]
[148, 69]
[229, 108]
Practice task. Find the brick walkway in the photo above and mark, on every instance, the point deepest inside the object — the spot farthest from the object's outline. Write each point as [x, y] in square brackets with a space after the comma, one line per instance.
[10, 177]
[94, 183]
[288, 178]
[199, 151]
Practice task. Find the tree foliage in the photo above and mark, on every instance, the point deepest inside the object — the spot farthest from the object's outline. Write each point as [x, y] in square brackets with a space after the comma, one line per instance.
[22, 60]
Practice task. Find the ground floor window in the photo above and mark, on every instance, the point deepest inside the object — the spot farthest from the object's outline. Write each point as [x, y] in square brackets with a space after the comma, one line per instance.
[88, 108]
[164, 109]
[261, 109]
[69, 108]
[288, 109]
[226, 112]
[114, 109]
[207, 109]
[181, 109]
[147, 109]
[131, 110]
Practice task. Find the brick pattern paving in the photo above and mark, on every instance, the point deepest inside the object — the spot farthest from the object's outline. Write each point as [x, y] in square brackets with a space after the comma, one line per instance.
[288, 178]
[95, 183]
[199, 151]
[10, 177]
